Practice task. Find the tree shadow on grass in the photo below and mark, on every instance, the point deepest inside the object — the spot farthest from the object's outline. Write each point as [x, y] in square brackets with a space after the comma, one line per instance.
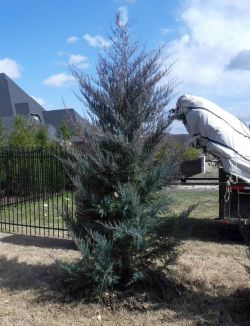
[42, 242]
[189, 228]
[208, 230]
[200, 307]
[20, 276]
[206, 309]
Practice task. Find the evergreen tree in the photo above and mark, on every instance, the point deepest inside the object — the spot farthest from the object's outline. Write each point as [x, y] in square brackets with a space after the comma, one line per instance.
[42, 137]
[119, 226]
[22, 135]
[64, 133]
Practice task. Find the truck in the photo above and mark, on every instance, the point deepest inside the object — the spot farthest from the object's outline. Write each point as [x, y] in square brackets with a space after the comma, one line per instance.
[227, 138]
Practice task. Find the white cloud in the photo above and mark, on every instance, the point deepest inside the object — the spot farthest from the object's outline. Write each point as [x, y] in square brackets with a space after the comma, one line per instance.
[58, 80]
[10, 67]
[72, 39]
[211, 52]
[96, 41]
[78, 60]
[215, 32]
[39, 100]
[123, 12]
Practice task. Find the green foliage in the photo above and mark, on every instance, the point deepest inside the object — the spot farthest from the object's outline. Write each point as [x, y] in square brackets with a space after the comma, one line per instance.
[121, 227]
[42, 137]
[20, 165]
[21, 135]
[64, 133]
[26, 135]
[191, 153]
[32, 171]
[184, 153]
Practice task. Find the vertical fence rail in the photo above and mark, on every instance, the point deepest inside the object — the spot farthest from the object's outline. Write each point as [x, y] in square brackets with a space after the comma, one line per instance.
[34, 190]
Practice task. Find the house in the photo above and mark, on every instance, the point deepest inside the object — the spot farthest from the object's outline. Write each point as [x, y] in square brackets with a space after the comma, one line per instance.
[14, 101]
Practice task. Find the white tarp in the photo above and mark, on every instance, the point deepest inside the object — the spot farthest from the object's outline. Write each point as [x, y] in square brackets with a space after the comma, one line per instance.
[220, 132]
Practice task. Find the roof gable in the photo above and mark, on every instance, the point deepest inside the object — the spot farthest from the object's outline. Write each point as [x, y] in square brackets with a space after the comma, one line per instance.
[6, 109]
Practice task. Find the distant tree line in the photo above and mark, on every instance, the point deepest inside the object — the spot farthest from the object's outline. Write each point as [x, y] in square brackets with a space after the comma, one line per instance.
[23, 135]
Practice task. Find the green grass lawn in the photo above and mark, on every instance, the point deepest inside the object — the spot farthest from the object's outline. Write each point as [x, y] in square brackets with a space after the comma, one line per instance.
[208, 207]
[35, 217]
[202, 222]
[42, 217]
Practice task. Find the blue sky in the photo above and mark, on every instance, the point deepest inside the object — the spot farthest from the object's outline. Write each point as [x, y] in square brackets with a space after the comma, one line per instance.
[209, 40]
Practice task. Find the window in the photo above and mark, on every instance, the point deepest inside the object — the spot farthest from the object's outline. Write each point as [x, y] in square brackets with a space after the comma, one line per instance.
[22, 108]
[36, 117]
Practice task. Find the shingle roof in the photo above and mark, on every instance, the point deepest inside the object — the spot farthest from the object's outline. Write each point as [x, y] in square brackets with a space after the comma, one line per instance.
[14, 101]
[56, 117]
[12, 97]
[5, 103]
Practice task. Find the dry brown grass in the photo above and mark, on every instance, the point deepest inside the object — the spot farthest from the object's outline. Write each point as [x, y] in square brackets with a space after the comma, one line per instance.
[211, 269]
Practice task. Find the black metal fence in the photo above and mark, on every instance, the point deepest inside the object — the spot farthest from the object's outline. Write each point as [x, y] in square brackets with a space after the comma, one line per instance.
[34, 190]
